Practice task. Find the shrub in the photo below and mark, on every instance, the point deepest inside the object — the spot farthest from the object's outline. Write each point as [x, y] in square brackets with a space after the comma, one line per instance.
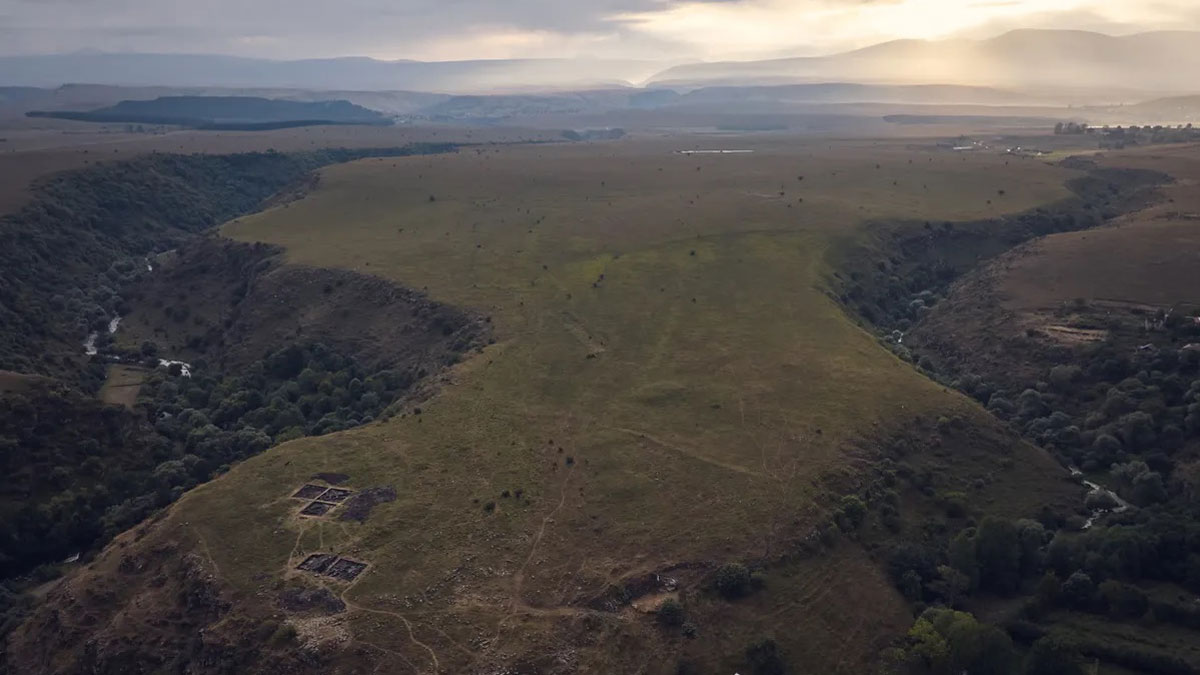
[853, 511]
[1053, 655]
[763, 658]
[732, 580]
[953, 503]
[1124, 600]
[670, 613]
[1078, 589]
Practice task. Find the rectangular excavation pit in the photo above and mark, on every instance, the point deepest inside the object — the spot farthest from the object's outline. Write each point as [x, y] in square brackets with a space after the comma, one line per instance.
[335, 495]
[317, 562]
[345, 569]
[309, 491]
[316, 509]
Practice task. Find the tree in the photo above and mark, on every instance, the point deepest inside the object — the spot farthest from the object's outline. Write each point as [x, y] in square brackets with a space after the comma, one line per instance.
[928, 647]
[1148, 488]
[1053, 655]
[965, 646]
[999, 552]
[951, 585]
[853, 510]
[1031, 536]
[963, 558]
[763, 658]
[732, 580]
[1124, 600]
[1078, 589]
[1137, 430]
[910, 585]
[670, 613]
[1048, 589]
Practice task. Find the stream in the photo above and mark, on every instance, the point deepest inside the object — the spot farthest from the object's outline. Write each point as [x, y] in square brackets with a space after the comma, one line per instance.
[1093, 488]
[89, 345]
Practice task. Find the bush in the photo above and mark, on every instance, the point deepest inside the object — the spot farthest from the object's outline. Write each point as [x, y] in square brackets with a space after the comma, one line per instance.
[1124, 600]
[670, 613]
[853, 511]
[953, 503]
[1053, 655]
[763, 658]
[732, 580]
[1078, 590]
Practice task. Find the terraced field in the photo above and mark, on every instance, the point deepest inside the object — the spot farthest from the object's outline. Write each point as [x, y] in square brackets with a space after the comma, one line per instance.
[671, 388]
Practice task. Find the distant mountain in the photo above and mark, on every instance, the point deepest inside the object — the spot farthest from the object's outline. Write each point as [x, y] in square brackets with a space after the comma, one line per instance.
[364, 74]
[1029, 59]
[226, 112]
[76, 97]
[1050, 61]
[759, 100]
[14, 94]
[848, 92]
[1171, 111]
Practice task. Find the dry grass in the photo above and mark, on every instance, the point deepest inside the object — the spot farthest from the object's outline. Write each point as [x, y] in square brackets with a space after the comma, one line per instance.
[1145, 258]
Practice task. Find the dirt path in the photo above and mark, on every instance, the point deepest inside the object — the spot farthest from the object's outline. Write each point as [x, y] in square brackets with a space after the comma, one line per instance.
[207, 552]
[437, 668]
[689, 453]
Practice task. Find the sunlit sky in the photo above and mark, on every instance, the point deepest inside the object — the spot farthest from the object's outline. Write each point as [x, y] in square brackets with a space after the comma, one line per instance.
[661, 30]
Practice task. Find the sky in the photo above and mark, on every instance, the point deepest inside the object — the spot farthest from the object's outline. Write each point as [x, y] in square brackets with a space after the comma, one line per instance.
[659, 30]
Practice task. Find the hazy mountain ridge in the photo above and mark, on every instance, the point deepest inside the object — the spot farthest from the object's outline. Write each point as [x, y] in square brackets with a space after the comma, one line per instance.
[351, 73]
[1159, 61]
[1053, 60]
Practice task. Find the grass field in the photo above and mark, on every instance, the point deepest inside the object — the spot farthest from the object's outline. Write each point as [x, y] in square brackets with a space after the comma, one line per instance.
[122, 385]
[672, 388]
[1147, 258]
[671, 384]
[36, 148]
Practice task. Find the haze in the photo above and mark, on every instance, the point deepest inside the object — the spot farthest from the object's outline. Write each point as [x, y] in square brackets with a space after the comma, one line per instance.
[658, 30]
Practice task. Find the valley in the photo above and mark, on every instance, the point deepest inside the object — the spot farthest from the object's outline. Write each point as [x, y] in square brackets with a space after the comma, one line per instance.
[487, 401]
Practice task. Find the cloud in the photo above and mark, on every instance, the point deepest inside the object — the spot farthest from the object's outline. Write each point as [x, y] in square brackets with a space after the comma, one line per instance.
[823, 26]
[455, 29]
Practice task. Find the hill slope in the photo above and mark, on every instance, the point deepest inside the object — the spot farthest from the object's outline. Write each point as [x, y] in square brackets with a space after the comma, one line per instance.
[225, 112]
[673, 389]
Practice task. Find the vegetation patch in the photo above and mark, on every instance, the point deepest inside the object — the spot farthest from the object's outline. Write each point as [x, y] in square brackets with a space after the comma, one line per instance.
[314, 600]
[87, 232]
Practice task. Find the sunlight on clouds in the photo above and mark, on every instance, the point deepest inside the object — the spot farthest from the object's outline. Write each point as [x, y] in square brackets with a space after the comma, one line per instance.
[761, 27]
[502, 42]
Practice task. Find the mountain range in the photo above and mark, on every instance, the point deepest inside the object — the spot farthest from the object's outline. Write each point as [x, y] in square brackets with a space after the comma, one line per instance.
[1029, 59]
[1042, 60]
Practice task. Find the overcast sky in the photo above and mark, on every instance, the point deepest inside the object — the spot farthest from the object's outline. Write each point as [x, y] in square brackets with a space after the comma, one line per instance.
[463, 29]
